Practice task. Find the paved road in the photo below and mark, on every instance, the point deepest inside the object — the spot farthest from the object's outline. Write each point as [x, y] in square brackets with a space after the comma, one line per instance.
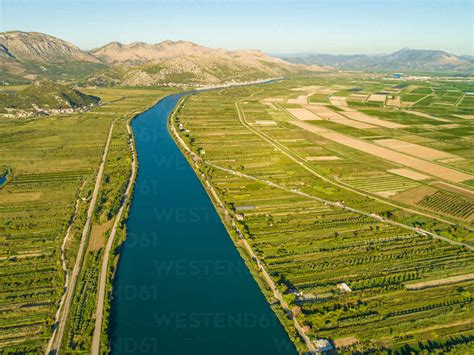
[54, 345]
[99, 315]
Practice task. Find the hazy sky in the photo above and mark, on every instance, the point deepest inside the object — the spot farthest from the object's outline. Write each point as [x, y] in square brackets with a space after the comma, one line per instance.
[275, 26]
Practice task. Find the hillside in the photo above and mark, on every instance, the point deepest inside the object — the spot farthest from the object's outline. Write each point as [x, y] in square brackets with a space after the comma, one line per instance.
[29, 56]
[404, 59]
[26, 56]
[45, 96]
[186, 62]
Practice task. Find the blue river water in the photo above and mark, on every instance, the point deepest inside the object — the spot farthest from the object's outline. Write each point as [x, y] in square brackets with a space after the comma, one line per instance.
[181, 287]
[3, 179]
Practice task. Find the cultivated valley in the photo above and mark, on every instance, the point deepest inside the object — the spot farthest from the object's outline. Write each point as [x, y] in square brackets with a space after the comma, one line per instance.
[363, 245]
[172, 198]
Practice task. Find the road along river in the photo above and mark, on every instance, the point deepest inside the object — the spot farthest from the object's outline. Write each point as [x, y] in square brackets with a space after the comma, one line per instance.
[181, 286]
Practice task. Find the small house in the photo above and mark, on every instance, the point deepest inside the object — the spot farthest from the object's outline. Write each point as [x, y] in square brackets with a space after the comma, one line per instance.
[323, 345]
[343, 287]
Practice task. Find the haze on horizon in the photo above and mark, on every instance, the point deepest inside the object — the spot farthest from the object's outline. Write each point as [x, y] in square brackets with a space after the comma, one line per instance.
[273, 26]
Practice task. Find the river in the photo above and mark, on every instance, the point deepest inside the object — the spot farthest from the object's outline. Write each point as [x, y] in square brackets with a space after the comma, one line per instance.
[181, 286]
[3, 178]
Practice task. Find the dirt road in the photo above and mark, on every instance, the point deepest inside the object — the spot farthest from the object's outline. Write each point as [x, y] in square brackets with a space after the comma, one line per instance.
[299, 160]
[99, 315]
[55, 342]
[197, 160]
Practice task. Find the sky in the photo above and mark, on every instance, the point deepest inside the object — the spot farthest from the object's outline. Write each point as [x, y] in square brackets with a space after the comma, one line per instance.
[274, 26]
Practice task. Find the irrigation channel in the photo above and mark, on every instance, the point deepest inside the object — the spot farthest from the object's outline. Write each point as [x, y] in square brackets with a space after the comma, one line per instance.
[181, 286]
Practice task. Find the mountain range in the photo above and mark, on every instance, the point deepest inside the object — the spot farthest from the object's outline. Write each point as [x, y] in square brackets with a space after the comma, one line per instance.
[405, 59]
[27, 56]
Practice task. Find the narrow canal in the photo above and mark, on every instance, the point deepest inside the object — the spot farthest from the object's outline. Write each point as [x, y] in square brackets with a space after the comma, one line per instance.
[181, 287]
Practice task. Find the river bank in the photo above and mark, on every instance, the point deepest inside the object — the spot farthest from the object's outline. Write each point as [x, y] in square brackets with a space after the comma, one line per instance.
[179, 272]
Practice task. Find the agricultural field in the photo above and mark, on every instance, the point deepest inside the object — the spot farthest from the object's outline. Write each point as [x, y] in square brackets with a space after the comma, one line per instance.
[341, 199]
[52, 164]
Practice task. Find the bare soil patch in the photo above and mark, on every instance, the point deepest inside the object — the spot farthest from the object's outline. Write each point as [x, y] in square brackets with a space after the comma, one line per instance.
[274, 99]
[330, 115]
[359, 116]
[466, 117]
[323, 158]
[97, 240]
[307, 88]
[415, 194]
[377, 97]
[414, 149]
[386, 194]
[394, 102]
[390, 155]
[303, 114]
[302, 99]
[409, 174]
[339, 101]
[265, 122]
[440, 282]
[343, 342]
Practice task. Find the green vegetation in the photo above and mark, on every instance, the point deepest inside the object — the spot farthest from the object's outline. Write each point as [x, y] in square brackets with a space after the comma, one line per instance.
[309, 246]
[46, 95]
[449, 203]
[73, 71]
[279, 183]
[48, 180]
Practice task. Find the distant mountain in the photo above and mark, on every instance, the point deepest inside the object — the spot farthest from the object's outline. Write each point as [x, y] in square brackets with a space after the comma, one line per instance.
[186, 62]
[45, 95]
[31, 55]
[28, 56]
[42, 48]
[404, 59]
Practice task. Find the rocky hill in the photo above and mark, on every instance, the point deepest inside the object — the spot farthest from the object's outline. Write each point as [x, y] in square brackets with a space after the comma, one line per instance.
[186, 62]
[404, 59]
[42, 48]
[45, 97]
[30, 55]
[26, 56]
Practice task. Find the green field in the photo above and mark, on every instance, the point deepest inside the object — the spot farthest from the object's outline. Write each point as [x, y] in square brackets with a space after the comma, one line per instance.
[53, 163]
[286, 187]
[310, 246]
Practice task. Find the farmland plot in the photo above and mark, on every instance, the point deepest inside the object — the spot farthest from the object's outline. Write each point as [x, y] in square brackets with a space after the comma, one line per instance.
[50, 182]
[310, 247]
